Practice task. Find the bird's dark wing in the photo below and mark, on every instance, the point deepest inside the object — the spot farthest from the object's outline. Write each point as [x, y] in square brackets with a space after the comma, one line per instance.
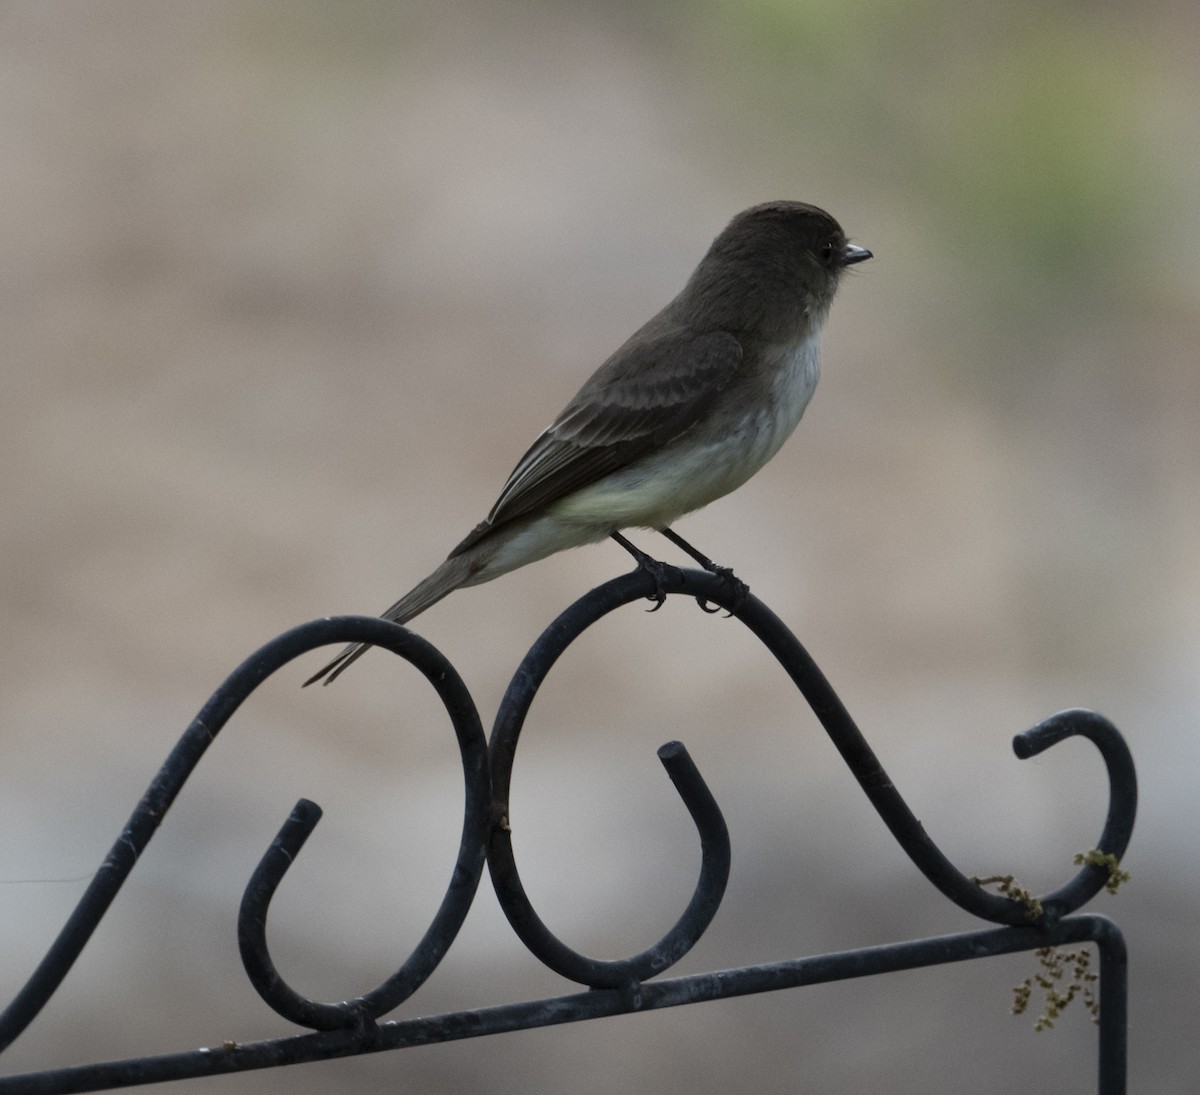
[649, 392]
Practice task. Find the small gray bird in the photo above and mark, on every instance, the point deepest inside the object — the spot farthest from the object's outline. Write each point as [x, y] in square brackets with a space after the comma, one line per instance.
[688, 409]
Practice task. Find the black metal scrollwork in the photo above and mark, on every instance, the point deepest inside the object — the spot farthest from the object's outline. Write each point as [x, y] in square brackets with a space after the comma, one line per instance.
[349, 1027]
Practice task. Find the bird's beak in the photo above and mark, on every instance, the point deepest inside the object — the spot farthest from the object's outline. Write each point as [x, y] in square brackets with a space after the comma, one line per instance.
[852, 254]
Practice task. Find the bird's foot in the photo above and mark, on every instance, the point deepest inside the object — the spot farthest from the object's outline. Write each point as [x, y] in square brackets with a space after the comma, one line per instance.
[657, 570]
[740, 590]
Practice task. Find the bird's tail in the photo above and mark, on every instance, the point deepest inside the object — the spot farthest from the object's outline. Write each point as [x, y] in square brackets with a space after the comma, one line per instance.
[453, 573]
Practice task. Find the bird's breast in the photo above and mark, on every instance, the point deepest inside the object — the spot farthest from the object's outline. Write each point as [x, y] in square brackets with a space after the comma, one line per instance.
[793, 381]
[744, 428]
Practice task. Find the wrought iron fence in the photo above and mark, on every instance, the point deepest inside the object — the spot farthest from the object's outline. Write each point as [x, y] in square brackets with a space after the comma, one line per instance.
[349, 1028]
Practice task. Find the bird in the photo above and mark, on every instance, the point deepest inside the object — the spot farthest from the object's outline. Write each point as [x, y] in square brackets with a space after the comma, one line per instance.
[686, 410]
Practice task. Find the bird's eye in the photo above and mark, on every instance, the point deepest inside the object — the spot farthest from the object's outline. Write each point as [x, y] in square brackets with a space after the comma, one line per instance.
[826, 252]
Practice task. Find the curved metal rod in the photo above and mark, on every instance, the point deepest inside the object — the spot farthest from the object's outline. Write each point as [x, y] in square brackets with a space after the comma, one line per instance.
[1122, 802]
[180, 763]
[844, 734]
[706, 815]
[468, 869]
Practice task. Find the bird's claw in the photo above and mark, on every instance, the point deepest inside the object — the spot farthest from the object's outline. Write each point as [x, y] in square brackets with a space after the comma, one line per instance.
[659, 572]
[740, 591]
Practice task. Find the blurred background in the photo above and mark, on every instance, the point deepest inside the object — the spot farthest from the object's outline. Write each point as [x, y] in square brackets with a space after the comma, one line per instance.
[288, 288]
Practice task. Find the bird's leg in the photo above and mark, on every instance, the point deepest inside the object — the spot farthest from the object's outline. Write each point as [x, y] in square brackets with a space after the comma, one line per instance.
[726, 574]
[651, 566]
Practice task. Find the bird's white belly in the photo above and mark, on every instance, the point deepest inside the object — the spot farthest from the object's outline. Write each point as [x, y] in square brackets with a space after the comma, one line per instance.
[716, 456]
[710, 460]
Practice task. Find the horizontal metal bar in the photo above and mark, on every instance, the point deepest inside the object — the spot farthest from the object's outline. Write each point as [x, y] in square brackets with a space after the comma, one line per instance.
[599, 1003]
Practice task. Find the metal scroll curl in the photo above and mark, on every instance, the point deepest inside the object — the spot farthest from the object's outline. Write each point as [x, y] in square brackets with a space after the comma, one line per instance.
[180, 764]
[777, 638]
[351, 1027]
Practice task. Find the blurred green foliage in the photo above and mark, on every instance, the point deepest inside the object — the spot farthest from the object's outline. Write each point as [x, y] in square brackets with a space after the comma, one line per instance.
[1028, 124]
